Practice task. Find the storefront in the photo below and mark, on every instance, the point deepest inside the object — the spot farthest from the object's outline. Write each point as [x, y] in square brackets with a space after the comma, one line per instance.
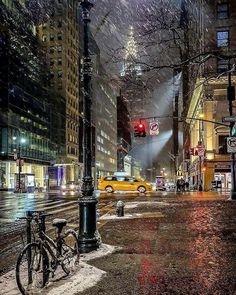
[223, 173]
[32, 176]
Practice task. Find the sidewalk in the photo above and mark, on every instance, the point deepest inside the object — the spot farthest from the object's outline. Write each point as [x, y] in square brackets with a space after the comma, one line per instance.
[166, 245]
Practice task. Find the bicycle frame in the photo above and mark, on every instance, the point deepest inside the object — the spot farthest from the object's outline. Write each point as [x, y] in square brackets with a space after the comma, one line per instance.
[47, 254]
[53, 248]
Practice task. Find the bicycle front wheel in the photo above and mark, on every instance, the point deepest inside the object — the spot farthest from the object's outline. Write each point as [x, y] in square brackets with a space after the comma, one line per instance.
[69, 252]
[32, 269]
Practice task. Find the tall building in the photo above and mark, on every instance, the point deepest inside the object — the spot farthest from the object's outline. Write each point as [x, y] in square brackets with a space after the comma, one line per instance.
[133, 89]
[104, 119]
[60, 39]
[134, 96]
[26, 113]
[123, 132]
[104, 116]
[217, 37]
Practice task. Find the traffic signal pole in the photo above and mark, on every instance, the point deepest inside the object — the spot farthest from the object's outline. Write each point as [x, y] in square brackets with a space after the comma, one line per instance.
[231, 97]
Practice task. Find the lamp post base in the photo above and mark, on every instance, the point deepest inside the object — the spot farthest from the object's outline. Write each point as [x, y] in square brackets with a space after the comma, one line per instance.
[87, 229]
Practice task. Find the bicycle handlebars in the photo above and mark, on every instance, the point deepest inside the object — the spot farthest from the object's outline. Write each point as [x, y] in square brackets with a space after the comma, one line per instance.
[35, 214]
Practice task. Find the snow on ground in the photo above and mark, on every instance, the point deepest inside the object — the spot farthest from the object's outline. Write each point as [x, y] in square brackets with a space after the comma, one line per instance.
[131, 205]
[84, 278]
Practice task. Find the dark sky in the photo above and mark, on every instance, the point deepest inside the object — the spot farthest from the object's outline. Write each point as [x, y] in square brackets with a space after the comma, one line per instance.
[110, 24]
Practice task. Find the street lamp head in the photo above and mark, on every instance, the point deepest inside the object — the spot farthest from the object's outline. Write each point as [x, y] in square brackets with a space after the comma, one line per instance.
[22, 140]
[14, 137]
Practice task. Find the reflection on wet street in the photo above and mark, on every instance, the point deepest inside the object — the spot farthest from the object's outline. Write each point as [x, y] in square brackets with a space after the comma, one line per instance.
[171, 243]
[190, 250]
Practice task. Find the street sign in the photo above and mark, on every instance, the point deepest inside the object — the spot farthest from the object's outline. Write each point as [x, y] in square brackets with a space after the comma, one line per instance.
[229, 119]
[154, 128]
[231, 144]
[201, 150]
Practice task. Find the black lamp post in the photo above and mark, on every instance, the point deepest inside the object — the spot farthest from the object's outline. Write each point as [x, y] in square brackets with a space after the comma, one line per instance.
[87, 202]
[19, 161]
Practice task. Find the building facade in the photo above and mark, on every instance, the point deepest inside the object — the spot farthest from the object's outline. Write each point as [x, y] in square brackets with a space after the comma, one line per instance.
[26, 115]
[59, 37]
[208, 103]
[105, 120]
[123, 132]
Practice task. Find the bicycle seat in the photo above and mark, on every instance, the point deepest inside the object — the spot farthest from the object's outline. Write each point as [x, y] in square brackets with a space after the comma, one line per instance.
[59, 223]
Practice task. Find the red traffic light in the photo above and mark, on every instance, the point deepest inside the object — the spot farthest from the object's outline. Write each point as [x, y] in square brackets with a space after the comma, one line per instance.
[139, 130]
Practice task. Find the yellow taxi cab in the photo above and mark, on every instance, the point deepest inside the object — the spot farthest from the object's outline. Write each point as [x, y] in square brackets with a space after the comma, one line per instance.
[123, 183]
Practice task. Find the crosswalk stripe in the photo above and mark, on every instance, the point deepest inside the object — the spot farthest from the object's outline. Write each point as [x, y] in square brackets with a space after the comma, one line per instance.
[52, 207]
[49, 206]
[30, 204]
[41, 204]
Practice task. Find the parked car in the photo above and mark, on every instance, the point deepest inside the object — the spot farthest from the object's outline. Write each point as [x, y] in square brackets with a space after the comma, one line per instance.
[70, 186]
[123, 183]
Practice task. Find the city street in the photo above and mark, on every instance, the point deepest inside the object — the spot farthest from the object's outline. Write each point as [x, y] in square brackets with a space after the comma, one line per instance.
[14, 206]
[120, 117]
[170, 243]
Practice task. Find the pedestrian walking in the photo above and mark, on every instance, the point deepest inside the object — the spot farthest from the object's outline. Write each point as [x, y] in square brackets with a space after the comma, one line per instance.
[187, 186]
[178, 185]
[182, 183]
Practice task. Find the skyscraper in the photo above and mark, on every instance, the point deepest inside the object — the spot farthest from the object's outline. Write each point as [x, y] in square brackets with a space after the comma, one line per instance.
[60, 39]
[26, 146]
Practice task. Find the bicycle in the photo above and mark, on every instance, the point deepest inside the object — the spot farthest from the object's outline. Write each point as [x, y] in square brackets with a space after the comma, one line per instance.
[42, 256]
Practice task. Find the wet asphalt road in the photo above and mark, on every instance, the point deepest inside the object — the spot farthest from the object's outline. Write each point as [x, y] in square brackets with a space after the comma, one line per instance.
[14, 206]
[189, 248]
[180, 244]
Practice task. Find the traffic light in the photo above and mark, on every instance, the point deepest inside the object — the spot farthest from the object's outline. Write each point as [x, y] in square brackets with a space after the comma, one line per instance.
[139, 130]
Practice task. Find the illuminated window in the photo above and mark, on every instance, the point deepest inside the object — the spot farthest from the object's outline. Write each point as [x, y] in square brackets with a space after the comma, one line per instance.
[222, 38]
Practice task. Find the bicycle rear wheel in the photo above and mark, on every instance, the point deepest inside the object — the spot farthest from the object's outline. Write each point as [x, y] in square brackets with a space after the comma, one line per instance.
[32, 269]
[69, 252]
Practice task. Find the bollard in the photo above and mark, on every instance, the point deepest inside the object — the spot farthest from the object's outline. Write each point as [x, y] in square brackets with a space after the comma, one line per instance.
[120, 208]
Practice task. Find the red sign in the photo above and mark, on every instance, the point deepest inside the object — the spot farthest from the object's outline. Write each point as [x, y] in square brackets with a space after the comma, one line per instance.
[201, 150]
